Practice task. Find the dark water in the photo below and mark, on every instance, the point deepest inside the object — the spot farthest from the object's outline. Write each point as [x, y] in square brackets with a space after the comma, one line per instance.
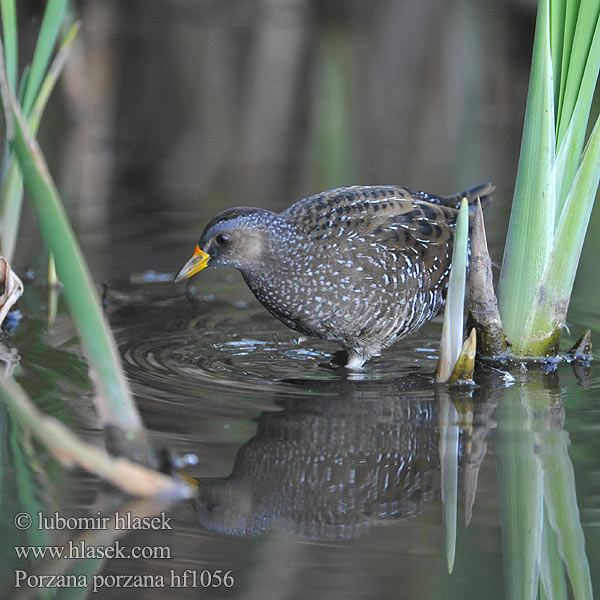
[312, 482]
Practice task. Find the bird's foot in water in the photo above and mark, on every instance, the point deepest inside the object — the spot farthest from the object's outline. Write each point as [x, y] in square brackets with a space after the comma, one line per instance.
[356, 358]
[338, 360]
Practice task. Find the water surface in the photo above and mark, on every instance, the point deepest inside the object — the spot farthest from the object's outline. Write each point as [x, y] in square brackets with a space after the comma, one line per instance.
[311, 481]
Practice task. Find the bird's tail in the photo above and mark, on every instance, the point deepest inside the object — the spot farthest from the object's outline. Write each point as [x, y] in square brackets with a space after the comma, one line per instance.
[483, 192]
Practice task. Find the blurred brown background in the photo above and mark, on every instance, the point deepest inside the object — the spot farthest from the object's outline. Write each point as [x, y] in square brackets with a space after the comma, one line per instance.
[170, 111]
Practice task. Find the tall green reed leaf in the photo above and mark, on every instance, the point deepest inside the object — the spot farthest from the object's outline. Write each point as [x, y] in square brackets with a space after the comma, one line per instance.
[556, 181]
[587, 16]
[531, 226]
[12, 196]
[12, 185]
[546, 319]
[9, 35]
[51, 24]
[557, 43]
[72, 270]
[573, 126]
[571, 9]
[51, 78]
[12, 188]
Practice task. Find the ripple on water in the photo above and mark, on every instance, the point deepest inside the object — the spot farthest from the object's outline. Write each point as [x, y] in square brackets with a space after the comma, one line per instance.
[214, 346]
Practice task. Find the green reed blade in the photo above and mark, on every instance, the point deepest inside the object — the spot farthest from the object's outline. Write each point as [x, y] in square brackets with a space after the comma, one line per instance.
[12, 197]
[557, 40]
[51, 24]
[452, 328]
[72, 270]
[583, 35]
[12, 186]
[573, 127]
[51, 78]
[548, 315]
[571, 8]
[23, 83]
[9, 36]
[531, 226]
[553, 197]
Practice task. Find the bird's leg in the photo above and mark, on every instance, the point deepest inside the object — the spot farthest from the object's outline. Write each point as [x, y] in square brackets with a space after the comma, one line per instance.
[357, 357]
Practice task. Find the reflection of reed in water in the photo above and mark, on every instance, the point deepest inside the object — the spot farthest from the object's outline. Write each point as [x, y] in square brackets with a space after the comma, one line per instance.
[330, 466]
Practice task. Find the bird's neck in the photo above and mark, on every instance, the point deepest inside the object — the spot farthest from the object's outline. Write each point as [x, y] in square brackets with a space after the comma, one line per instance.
[283, 257]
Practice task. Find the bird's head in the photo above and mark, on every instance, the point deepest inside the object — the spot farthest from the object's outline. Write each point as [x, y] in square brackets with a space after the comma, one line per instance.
[237, 237]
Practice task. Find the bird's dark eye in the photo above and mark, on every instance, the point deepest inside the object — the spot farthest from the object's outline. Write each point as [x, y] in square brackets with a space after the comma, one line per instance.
[222, 239]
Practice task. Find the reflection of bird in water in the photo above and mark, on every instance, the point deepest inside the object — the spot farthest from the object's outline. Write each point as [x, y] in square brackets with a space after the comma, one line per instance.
[361, 266]
[331, 465]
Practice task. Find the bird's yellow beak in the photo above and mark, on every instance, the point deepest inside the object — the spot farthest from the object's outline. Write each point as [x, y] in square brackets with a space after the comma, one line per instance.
[198, 262]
